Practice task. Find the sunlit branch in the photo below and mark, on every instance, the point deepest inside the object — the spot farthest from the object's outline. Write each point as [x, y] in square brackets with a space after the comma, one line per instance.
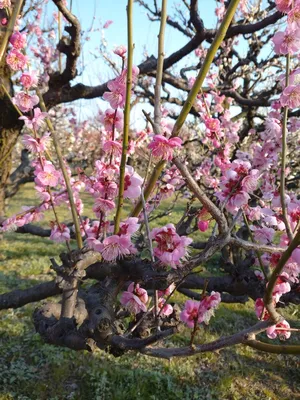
[192, 95]
[10, 27]
[268, 298]
[130, 46]
[283, 157]
[65, 175]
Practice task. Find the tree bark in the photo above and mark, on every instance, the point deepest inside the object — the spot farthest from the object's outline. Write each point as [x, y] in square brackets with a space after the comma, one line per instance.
[10, 128]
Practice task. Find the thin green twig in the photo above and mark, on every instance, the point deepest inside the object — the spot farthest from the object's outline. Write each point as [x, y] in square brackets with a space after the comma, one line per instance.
[10, 27]
[262, 267]
[65, 174]
[126, 116]
[283, 158]
[220, 35]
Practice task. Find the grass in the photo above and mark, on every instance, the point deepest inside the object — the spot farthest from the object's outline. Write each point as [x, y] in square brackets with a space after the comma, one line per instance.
[31, 369]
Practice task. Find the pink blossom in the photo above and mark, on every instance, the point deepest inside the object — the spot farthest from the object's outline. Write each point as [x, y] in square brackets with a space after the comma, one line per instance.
[198, 312]
[281, 330]
[94, 243]
[207, 306]
[192, 80]
[236, 184]
[18, 40]
[171, 247]
[43, 193]
[16, 60]
[163, 147]
[115, 247]
[47, 176]
[112, 119]
[287, 42]
[237, 201]
[140, 292]
[260, 310]
[135, 73]
[190, 314]
[253, 213]
[203, 225]
[129, 226]
[296, 255]
[292, 269]
[92, 231]
[263, 235]
[164, 308]
[284, 5]
[259, 275]
[203, 220]
[133, 183]
[132, 303]
[112, 147]
[116, 96]
[29, 79]
[134, 299]
[290, 97]
[220, 11]
[36, 145]
[36, 121]
[213, 124]
[249, 183]
[273, 127]
[120, 51]
[5, 4]
[294, 17]
[166, 191]
[25, 102]
[103, 205]
[107, 24]
[105, 188]
[60, 233]
[167, 291]
[281, 286]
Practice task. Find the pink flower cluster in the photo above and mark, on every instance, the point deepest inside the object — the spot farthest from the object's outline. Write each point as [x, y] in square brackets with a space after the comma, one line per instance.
[204, 218]
[115, 246]
[288, 42]
[213, 131]
[117, 94]
[112, 119]
[60, 233]
[171, 248]
[170, 182]
[237, 183]
[164, 148]
[281, 329]
[135, 299]
[5, 4]
[197, 312]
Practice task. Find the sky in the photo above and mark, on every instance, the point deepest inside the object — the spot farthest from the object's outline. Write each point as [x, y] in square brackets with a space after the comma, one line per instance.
[95, 13]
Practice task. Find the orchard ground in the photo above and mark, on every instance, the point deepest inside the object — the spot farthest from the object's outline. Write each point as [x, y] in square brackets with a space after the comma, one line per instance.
[33, 370]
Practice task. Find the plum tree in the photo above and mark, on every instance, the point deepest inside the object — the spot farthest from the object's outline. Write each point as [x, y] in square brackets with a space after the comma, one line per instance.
[226, 153]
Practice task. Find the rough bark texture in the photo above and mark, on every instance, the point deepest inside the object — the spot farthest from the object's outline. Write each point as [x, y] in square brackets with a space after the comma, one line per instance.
[10, 128]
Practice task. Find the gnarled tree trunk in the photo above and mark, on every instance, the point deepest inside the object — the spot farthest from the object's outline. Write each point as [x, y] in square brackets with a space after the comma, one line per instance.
[10, 128]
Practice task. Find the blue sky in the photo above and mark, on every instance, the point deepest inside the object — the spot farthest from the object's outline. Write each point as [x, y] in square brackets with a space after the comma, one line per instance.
[144, 32]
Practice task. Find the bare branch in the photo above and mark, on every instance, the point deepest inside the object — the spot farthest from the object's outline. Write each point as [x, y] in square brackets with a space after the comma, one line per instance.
[71, 49]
